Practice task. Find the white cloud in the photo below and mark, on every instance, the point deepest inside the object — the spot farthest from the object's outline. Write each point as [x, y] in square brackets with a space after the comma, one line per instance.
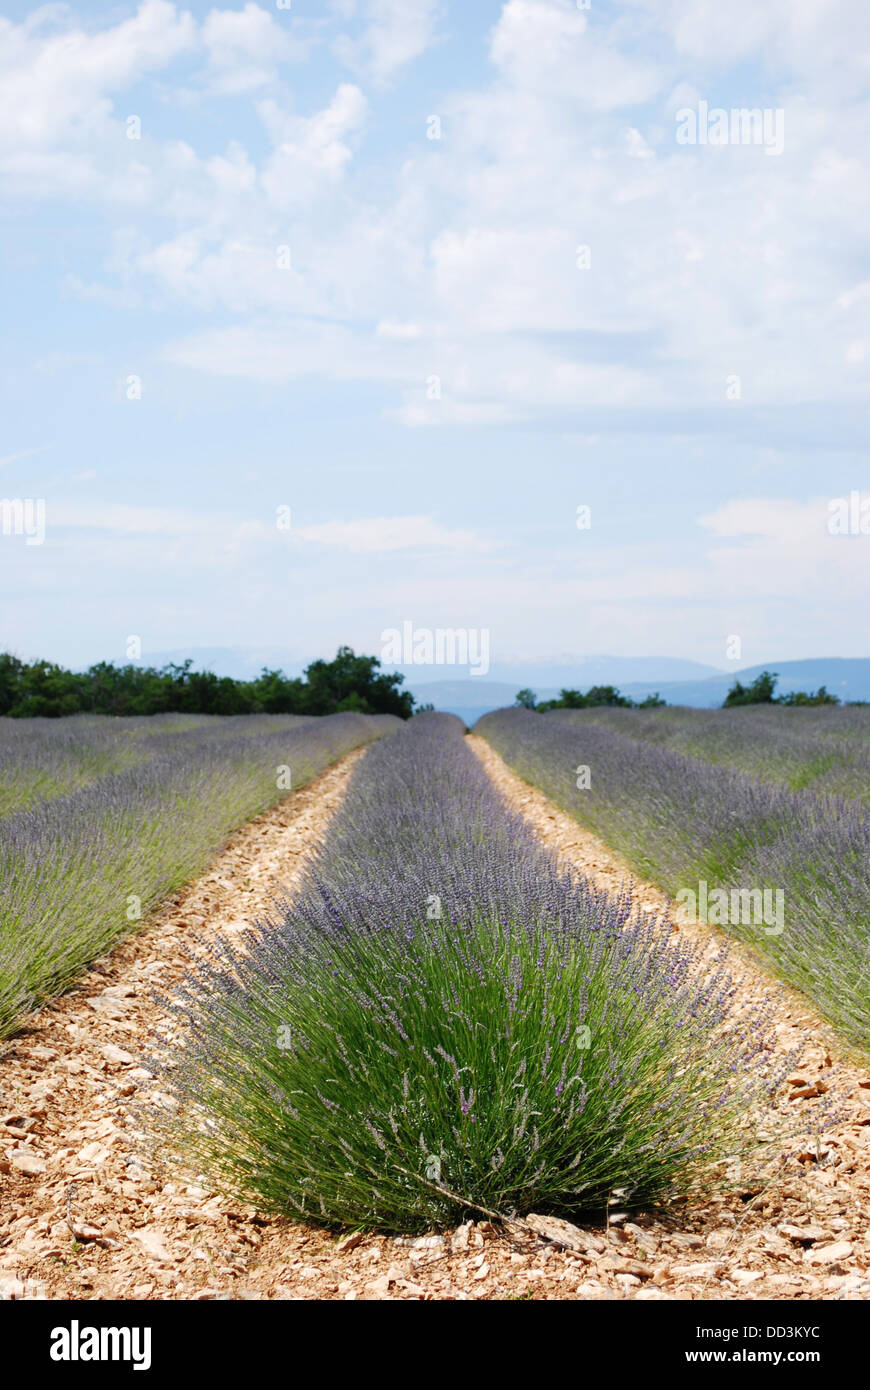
[54, 89]
[781, 547]
[124, 520]
[310, 149]
[637, 145]
[428, 414]
[23, 454]
[739, 572]
[810, 36]
[463, 253]
[379, 534]
[547, 47]
[397, 32]
[298, 349]
[246, 46]
[858, 294]
[394, 328]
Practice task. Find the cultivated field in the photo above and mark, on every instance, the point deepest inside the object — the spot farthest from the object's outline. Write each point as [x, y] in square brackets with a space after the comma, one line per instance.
[824, 748]
[679, 794]
[102, 818]
[415, 1033]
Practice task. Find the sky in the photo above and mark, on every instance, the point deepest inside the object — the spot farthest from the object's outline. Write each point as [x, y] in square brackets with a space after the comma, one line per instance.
[324, 317]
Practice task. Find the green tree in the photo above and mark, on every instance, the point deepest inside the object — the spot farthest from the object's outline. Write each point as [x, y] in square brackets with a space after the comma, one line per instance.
[10, 681]
[607, 695]
[275, 693]
[807, 697]
[355, 679]
[348, 682]
[760, 692]
[595, 697]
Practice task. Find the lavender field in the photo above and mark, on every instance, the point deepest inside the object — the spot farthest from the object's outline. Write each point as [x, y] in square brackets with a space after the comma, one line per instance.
[101, 818]
[745, 802]
[444, 1021]
[44, 758]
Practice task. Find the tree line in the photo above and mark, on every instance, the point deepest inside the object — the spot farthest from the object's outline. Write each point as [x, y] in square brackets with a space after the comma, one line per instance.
[595, 697]
[348, 682]
[759, 692]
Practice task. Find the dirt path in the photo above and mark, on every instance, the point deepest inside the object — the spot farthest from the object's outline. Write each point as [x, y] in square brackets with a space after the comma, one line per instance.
[66, 1161]
[83, 1216]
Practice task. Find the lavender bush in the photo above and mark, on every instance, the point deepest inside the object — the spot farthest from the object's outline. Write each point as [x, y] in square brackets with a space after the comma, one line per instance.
[81, 870]
[679, 822]
[443, 1020]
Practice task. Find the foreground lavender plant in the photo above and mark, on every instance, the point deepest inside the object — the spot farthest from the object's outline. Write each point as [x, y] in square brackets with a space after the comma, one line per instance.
[442, 1018]
[79, 871]
[680, 821]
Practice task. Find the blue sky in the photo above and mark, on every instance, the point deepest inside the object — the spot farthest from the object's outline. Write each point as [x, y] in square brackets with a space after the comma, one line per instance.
[312, 385]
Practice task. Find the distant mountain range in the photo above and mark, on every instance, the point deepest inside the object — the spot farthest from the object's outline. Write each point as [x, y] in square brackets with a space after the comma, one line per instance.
[678, 681]
[847, 677]
[244, 662]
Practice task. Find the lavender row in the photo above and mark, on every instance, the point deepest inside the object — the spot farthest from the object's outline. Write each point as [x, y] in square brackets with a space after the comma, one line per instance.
[79, 871]
[824, 749]
[442, 1021]
[44, 758]
[786, 871]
